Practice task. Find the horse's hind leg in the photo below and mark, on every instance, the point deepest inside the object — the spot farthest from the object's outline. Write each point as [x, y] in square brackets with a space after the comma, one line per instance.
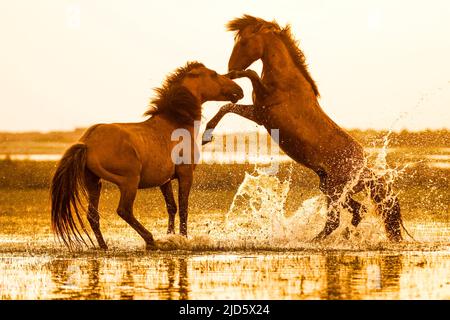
[94, 186]
[355, 208]
[392, 221]
[171, 205]
[333, 215]
[128, 190]
[389, 207]
[333, 194]
[333, 218]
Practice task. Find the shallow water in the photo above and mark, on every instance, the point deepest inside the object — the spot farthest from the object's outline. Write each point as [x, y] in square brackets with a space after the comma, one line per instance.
[434, 157]
[249, 275]
[215, 264]
[250, 243]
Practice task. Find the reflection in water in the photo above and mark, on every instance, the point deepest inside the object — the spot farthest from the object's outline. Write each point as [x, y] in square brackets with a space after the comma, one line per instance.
[176, 285]
[357, 278]
[162, 278]
[363, 275]
[126, 285]
[332, 278]
[74, 280]
[390, 270]
[93, 271]
[183, 280]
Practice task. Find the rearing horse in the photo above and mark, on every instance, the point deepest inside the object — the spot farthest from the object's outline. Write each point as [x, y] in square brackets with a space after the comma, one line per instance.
[135, 156]
[286, 98]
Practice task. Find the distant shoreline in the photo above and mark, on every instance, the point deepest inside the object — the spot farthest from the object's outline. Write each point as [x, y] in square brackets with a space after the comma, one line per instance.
[57, 141]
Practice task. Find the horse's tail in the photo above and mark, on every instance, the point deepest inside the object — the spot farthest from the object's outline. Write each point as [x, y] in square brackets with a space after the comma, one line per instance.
[67, 191]
[406, 231]
[388, 206]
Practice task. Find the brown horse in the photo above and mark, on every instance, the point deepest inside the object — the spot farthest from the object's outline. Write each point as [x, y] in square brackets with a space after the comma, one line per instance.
[135, 156]
[286, 98]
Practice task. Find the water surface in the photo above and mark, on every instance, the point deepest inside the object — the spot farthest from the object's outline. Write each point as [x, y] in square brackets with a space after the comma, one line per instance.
[250, 275]
[250, 243]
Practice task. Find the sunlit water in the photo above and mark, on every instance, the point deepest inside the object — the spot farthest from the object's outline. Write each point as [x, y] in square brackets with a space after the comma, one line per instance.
[252, 275]
[439, 159]
[254, 249]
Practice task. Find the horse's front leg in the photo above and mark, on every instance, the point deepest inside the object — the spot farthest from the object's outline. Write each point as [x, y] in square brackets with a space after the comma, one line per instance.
[185, 177]
[259, 87]
[247, 111]
[171, 205]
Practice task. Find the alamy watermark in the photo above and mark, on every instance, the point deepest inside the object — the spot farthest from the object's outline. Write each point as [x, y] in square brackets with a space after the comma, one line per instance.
[237, 148]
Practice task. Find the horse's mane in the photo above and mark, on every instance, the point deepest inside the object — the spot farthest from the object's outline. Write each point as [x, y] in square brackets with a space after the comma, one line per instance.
[238, 25]
[175, 100]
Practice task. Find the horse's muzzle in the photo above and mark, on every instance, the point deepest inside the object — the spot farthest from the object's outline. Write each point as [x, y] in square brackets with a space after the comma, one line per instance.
[236, 95]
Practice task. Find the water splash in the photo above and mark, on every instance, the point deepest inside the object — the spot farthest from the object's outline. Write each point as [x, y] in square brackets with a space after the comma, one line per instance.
[257, 217]
[258, 220]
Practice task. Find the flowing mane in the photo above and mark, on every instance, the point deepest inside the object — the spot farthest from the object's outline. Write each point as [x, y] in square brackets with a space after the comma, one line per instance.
[175, 100]
[238, 25]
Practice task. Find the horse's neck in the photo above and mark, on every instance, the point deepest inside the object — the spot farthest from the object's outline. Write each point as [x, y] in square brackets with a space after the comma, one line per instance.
[280, 70]
[278, 65]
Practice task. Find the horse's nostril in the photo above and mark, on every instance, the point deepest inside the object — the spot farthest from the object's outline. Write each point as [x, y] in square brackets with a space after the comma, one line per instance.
[239, 92]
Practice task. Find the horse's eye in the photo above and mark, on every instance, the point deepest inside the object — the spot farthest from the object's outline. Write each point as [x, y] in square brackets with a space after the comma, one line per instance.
[215, 74]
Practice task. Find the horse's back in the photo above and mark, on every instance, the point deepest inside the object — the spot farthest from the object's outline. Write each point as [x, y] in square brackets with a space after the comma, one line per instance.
[120, 150]
[111, 155]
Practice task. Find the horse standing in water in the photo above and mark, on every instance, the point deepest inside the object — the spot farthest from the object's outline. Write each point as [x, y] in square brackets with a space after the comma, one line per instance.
[135, 156]
[286, 98]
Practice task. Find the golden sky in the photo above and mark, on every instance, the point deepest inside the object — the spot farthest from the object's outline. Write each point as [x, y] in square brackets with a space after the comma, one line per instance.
[67, 64]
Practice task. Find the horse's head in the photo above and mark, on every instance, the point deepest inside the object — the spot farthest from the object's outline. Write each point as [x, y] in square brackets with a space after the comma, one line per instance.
[251, 34]
[208, 85]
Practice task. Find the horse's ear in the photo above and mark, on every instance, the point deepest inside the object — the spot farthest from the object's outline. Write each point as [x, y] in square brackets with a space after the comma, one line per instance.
[268, 28]
[193, 74]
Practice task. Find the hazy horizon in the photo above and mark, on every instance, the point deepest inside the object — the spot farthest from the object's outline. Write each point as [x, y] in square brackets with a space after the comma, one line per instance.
[71, 64]
[230, 131]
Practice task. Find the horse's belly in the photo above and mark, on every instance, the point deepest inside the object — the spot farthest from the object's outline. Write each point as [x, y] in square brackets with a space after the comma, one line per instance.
[155, 175]
[301, 154]
[294, 147]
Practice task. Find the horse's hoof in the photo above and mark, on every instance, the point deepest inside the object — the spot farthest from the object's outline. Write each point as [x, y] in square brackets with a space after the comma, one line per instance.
[101, 246]
[151, 247]
[206, 140]
[207, 136]
[356, 221]
[184, 235]
[346, 233]
[319, 237]
[396, 238]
